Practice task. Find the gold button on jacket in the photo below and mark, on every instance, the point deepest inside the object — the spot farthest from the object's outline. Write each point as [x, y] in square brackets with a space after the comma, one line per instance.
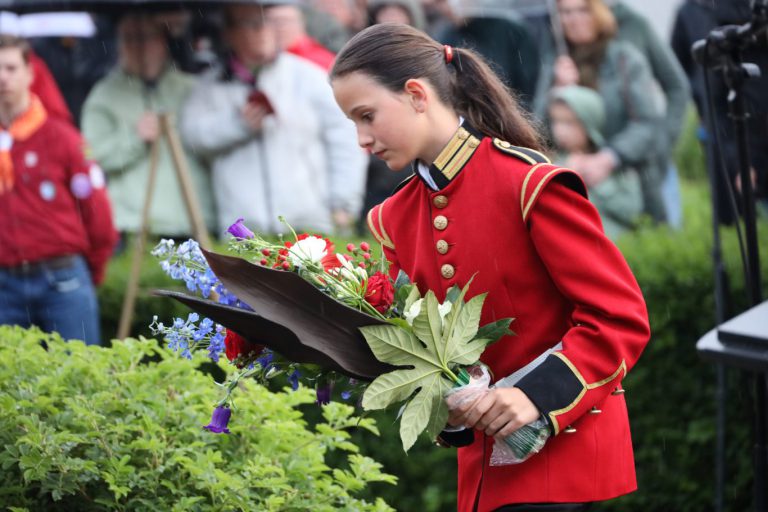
[442, 246]
[441, 222]
[447, 271]
[440, 201]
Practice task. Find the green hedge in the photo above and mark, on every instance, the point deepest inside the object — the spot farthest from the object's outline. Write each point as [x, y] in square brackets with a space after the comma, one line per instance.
[671, 391]
[91, 429]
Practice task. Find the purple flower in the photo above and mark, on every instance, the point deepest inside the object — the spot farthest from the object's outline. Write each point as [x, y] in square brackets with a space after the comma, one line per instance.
[239, 231]
[324, 394]
[219, 421]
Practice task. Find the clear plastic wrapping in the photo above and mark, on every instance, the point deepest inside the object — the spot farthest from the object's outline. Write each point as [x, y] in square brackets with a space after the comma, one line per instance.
[516, 447]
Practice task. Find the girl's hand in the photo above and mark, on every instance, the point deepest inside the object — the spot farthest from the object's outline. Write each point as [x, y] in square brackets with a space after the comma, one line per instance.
[497, 413]
[566, 72]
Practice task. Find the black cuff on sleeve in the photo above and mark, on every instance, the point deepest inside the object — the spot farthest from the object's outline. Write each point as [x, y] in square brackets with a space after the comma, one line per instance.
[551, 386]
[456, 439]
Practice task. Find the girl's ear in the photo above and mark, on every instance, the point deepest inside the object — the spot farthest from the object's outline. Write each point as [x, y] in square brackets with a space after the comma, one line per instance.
[418, 94]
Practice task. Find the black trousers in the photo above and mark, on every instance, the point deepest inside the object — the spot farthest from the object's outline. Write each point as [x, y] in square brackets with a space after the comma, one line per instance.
[545, 507]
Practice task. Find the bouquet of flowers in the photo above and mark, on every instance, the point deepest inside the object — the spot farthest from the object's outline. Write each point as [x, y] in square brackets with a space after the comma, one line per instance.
[340, 313]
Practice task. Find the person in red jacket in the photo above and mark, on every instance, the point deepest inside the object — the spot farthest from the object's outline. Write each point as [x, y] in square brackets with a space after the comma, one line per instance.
[56, 231]
[290, 29]
[44, 86]
[485, 202]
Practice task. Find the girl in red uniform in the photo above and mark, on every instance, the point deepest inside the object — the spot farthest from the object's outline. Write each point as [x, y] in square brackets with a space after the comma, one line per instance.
[485, 202]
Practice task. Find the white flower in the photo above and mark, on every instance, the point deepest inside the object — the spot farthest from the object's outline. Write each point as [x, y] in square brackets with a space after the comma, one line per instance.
[311, 249]
[347, 271]
[413, 311]
[444, 309]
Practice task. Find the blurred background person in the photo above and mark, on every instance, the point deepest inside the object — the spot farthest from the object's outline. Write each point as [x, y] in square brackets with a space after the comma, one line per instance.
[77, 63]
[350, 13]
[278, 143]
[47, 276]
[407, 12]
[501, 37]
[290, 27]
[695, 19]
[43, 83]
[672, 93]
[577, 117]
[121, 122]
[622, 77]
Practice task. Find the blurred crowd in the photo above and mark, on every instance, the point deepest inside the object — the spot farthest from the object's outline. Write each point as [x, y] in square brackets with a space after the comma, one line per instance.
[245, 88]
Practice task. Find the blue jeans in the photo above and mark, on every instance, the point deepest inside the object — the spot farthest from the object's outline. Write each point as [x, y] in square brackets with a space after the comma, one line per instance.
[670, 193]
[54, 299]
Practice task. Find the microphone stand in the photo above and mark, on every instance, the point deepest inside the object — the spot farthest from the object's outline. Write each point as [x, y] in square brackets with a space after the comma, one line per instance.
[722, 50]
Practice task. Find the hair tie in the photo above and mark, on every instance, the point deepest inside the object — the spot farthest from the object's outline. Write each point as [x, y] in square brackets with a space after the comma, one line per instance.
[448, 53]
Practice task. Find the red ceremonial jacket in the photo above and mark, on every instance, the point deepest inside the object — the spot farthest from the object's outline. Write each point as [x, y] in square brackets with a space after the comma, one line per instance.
[53, 202]
[533, 241]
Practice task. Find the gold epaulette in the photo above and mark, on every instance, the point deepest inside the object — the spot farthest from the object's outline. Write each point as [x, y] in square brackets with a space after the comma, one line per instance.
[527, 155]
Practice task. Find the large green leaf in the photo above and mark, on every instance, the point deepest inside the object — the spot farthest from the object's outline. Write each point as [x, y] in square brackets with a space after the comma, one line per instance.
[427, 326]
[391, 344]
[468, 353]
[419, 410]
[429, 351]
[496, 330]
[396, 386]
[450, 319]
[438, 418]
[467, 320]
[463, 329]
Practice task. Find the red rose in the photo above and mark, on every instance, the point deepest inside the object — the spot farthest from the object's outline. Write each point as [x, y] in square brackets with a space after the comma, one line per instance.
[236, 346]
[380, 293]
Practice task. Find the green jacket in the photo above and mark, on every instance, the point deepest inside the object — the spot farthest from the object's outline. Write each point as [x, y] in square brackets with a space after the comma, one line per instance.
[109, 119]
[669, 74]
[632, 115]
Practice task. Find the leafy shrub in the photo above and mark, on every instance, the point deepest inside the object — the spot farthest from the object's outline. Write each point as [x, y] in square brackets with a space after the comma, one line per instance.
[90, 428]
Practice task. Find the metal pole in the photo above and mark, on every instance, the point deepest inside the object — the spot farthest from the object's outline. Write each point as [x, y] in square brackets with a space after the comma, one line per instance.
[191, 200]
[557, 28]
[132, 288]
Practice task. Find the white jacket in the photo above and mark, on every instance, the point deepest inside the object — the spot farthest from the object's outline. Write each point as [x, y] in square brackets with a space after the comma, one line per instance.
[304, 163]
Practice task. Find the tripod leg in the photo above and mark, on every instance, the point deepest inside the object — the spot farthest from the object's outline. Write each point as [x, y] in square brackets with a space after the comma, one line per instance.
[132, 289]
[188, 191]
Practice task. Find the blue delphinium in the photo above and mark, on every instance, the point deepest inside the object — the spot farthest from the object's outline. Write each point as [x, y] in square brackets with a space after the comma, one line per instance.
[293, 378]
[185, 336]
[187, 263]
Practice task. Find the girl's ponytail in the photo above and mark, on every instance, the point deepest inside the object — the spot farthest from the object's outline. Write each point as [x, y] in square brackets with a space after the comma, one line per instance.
[489, 105]
[392, 54]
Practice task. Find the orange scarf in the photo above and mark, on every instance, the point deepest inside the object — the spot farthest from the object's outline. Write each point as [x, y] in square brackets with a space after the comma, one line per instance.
[21, 129]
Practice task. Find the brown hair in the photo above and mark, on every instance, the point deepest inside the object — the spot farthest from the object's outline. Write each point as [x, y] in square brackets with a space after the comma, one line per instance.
[392, 54]
[22, 44]
[605, 21]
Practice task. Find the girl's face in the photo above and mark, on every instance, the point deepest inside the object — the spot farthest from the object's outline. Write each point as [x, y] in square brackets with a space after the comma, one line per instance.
[579, 25]
[388, 124]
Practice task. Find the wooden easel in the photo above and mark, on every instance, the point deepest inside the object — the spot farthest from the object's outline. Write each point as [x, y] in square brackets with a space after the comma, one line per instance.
[199, 231]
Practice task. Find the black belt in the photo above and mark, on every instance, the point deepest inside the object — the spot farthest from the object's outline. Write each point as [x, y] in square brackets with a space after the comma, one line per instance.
[34, 267]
